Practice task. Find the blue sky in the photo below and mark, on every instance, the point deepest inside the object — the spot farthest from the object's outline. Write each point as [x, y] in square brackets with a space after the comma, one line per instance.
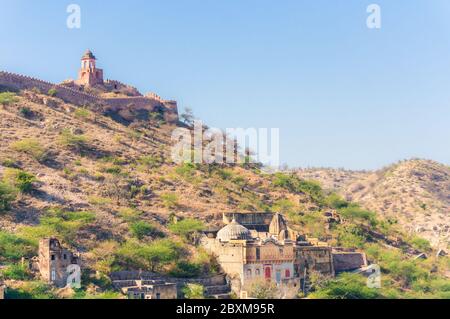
[342, 95]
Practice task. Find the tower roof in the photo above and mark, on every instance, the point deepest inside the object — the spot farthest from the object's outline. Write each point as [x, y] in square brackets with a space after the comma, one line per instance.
[89, 55]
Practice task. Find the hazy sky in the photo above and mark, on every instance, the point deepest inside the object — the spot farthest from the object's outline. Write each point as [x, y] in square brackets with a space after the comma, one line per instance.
[342, 95]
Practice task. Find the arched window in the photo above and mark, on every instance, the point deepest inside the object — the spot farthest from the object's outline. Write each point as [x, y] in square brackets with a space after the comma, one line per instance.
[249, 273]
[287, 273]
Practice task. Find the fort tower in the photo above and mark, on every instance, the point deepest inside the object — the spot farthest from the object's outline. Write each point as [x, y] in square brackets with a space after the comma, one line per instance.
[89, 75]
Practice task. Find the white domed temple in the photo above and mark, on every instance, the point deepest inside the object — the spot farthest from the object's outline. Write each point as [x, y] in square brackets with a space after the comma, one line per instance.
[261, 246]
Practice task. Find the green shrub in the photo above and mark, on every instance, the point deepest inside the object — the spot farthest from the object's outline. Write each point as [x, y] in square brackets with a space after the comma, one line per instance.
[35, 233]
[355, 213]
[312, 222]
[294, 184]
[7, 98]
[31, 147]
[153, 256]
[15, 272]
[109, 294]
[187, 227]
[141, 229]
[194, 291]
[184, 269]
[438, 288]
[72, 141]
[263, 289]
[25, 112]
[82, 113]
[406, 271]
[186, 170]
[113, 170]
[335, 201]
[225, 174]
[351, 236]
[58, 223]
[9, 162]
[31, 290]
[150, 161]
[7, 195]
[99, 201]
[129, 214]
[19, 179]
[170, 200]
[12, 247]
[346, 286]
[285, 207]
[421, 243]
[159, 253]
[52, 92]
[134, 134]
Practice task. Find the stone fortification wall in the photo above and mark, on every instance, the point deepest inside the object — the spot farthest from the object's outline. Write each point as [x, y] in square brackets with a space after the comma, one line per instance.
[69, 95]
[107, 105]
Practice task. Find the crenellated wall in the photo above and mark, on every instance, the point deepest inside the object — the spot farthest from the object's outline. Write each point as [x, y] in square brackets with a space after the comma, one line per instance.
[69, 95]
[106, 105]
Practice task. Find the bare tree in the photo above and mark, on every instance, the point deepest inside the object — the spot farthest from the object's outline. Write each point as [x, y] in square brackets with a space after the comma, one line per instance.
[188, 116]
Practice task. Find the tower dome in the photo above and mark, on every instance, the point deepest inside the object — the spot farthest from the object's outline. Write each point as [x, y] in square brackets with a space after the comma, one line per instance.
[89, 55]
[89, 75]
[233, 231]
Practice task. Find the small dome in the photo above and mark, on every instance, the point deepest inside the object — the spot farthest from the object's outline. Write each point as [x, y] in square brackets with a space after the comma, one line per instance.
[88, 55]
[233, 231]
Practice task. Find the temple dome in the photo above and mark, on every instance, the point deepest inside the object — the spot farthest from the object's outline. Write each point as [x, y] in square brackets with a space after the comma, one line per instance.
[233, 231]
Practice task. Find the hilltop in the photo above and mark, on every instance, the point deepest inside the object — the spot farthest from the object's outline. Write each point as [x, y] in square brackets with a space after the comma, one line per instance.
[415, 193]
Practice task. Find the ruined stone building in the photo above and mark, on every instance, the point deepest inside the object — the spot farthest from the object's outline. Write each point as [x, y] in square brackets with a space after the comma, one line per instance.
[148, 289]
[53, 261]
[149, 285]
[261, 246]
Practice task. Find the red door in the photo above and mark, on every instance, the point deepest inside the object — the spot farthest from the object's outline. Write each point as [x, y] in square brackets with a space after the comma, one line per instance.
[268, 273]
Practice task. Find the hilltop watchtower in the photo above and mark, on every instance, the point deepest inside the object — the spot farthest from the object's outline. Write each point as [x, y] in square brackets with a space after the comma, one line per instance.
[89, 75]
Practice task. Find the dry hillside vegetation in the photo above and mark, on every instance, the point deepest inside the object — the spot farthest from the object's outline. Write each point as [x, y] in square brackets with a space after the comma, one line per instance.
[111, 192]
[414, 193]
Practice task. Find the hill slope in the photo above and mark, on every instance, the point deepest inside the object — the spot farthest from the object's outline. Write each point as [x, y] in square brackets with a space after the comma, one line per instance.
[416, 193]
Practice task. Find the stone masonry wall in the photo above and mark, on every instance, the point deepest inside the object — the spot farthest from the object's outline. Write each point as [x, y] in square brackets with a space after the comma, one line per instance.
[69, 95]
[73, 96]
